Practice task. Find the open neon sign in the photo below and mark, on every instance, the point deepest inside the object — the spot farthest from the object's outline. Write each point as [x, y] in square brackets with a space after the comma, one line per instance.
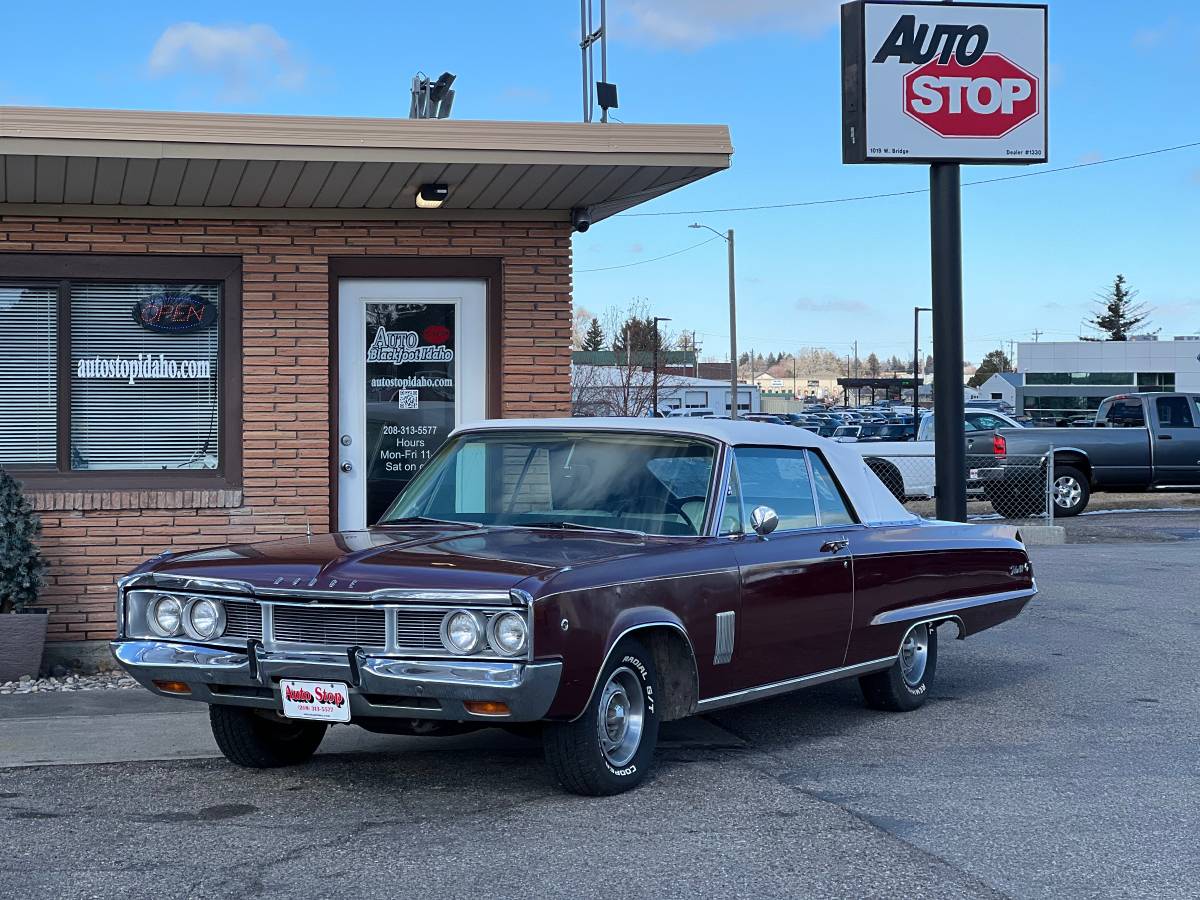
[174, 312]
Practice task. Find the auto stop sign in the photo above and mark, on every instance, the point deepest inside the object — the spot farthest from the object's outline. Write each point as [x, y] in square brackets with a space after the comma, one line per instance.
[985, 100]
[929, 82]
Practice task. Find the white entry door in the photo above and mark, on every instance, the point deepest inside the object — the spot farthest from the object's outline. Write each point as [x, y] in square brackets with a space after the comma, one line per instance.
[412, 365]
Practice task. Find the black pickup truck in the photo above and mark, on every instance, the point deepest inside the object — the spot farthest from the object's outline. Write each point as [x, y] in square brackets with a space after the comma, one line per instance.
[1139, 442]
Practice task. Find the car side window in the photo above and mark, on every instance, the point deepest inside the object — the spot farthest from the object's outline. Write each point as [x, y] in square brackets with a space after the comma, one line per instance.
[831, 501]
[1123, 414]
[987, 422]
[778, 478]
[1173, 412]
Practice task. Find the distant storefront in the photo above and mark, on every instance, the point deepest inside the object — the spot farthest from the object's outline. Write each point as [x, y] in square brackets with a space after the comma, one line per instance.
[235, 328]
[1066, 379]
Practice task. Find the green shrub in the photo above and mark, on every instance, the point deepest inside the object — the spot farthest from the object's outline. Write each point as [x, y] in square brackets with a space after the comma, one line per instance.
[21, 564]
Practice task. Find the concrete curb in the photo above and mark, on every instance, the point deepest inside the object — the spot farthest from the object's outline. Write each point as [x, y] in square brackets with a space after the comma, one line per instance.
[1043, 535]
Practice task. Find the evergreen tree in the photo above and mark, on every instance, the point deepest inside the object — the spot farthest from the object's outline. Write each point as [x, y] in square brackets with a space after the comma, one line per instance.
[1117, 314]
[873, 367]
[21, 563]
[593, 340]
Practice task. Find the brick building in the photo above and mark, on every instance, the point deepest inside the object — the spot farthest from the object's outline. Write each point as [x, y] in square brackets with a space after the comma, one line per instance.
[237, 328]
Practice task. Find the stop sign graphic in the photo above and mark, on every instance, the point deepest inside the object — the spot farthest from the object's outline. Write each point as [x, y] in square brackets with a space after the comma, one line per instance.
[984, 100]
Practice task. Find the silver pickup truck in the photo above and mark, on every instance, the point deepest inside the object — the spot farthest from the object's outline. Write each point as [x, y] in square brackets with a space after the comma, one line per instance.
[1139, 442]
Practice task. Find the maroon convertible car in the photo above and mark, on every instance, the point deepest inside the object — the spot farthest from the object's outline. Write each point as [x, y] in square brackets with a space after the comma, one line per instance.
[593, 576]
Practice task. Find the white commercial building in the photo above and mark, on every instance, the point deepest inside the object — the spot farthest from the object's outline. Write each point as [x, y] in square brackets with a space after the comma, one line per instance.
[1062, 379]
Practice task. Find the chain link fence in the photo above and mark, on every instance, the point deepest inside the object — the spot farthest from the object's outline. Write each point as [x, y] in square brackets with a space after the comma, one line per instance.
[1016, 488]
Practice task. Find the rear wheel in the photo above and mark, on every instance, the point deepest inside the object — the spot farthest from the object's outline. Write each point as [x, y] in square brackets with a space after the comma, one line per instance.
[1016, 504]
[905, 684]
[1070, 490]
[610, 748]
[260, 739]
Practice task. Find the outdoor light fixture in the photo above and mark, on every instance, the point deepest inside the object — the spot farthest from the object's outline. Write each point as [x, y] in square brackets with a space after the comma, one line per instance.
[431, 196]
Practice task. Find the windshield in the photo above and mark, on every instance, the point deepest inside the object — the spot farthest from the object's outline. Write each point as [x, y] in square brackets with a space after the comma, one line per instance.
[656, 484]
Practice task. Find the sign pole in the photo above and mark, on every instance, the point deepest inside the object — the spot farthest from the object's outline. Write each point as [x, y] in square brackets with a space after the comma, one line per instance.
[945, 243]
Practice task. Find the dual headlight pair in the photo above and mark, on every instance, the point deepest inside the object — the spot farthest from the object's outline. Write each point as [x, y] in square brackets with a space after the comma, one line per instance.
[465, 632]
[198, 617]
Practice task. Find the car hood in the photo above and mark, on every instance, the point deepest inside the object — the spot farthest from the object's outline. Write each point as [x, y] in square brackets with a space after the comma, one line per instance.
[417, 558]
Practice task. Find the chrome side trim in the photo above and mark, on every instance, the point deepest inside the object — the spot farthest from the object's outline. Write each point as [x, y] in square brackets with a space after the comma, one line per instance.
[792, 684]
[723, 652]
[948, 607]
[597, 587]
[619, 638]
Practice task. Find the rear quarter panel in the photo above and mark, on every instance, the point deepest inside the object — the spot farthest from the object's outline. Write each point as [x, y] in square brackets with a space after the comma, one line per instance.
[907, 565]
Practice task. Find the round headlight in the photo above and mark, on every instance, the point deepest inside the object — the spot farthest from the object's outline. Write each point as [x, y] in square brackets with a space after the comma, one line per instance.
[462, 631]
[165, 615]
[206, 618]
[507, 633]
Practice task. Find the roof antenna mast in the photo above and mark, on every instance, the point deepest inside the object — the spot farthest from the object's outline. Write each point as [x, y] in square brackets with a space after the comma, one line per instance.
[431, 99]
[605, 93]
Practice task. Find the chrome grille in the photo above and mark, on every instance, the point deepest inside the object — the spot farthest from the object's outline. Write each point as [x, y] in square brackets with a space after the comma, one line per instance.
[243, 620]
[328, 625]
[419, 629]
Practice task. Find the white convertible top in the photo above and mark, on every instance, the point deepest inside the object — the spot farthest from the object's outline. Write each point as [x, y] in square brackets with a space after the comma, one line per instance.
[872, 501]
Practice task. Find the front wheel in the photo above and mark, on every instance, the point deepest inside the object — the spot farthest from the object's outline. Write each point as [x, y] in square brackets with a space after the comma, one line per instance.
[260, 739]
[905, 685]
[610, 748]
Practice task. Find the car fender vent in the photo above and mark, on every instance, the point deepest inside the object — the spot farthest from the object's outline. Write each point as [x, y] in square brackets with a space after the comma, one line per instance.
[723, 651]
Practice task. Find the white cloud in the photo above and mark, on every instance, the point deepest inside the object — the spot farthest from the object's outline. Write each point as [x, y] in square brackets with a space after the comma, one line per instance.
[692, 24]
[246, 60]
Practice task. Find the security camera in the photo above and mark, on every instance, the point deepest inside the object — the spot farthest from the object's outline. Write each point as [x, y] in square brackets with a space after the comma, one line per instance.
[581, 218]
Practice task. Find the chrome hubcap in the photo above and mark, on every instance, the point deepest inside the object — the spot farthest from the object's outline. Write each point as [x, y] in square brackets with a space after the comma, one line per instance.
[1067, 491]
[914, 654]
[622, 714]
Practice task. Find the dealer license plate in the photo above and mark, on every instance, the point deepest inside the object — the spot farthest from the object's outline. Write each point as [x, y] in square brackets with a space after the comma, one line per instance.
[325, 701]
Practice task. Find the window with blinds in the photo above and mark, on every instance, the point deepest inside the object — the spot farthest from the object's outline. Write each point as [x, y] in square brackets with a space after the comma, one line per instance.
[28, 373]
[141, 399]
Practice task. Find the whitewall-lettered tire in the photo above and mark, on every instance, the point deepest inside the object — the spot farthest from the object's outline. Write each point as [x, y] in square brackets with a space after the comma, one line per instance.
[610, 748]
[905, 684]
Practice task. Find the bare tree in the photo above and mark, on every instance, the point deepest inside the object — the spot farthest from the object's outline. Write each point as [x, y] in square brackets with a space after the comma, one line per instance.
[626, 386]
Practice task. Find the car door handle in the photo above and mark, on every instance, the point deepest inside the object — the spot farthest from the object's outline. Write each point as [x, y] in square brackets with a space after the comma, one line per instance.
[835, 545]
[1164, 437]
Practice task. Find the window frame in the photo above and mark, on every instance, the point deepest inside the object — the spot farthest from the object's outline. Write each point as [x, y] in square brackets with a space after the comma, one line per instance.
[808, 453]
[167, 269]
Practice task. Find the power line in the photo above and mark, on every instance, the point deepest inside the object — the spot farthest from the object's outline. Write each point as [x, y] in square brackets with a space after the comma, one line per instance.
[642, 262]
[1030, 174]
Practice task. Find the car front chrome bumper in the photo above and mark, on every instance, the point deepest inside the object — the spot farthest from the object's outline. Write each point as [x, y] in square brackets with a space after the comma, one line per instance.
[379, 686]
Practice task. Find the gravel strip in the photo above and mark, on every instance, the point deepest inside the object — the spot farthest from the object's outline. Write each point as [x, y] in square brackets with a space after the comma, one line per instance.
[105, 681]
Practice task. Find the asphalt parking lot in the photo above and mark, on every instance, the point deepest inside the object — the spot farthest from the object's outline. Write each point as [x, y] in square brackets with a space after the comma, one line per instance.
[1057, 758]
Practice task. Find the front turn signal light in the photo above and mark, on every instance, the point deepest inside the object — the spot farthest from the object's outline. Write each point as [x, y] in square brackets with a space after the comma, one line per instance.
[487, 707]
[173, 687]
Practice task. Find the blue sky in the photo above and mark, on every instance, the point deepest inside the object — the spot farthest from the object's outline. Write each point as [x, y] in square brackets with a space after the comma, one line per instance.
[1123, 80]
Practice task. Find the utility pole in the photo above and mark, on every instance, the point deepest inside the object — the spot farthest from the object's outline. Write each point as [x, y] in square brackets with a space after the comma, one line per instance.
[1011, 353]
[733, 357]
[1037, 334]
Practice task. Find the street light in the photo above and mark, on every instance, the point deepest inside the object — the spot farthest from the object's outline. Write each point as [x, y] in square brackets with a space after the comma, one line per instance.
[654, 374]
[917, 310]
[733, 363]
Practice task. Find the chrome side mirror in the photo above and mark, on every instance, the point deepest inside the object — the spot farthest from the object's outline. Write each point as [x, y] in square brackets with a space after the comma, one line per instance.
[763, 520]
